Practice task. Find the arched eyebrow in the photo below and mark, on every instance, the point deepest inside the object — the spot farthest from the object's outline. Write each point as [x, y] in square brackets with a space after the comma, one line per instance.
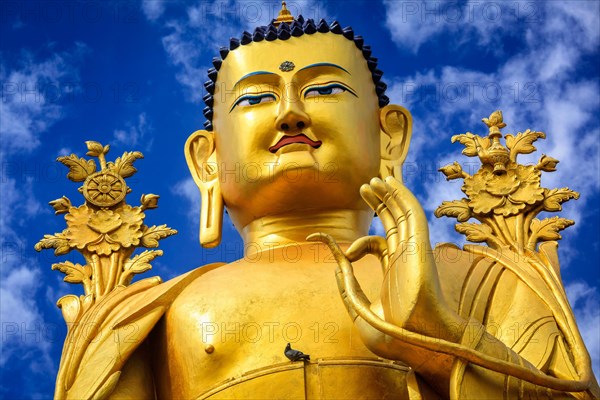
[324, 65]
[252, 74]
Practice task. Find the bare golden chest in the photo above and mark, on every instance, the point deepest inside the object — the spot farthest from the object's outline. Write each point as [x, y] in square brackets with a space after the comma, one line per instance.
[231, 326]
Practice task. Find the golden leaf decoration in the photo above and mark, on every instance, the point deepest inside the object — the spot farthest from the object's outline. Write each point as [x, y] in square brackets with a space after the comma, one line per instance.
[555, 197]
[79, 168]
[58, 242]
[106, 231]
[138, 264]
[458, 209]
[547, 229]
[124, 165]
[468, 140]
[471, 143]
[75, 273]
[475, 232]
[153, 234]
[522, 142]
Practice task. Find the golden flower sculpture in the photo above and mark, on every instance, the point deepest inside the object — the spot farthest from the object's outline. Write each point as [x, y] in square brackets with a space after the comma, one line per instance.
[503, 195]
[104, 229]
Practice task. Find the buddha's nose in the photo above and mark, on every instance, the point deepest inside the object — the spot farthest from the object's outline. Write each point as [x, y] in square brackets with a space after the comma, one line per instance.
[292, 117]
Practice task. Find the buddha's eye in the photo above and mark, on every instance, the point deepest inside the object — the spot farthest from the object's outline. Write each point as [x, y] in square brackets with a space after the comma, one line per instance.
[326, 90]
[252, 100]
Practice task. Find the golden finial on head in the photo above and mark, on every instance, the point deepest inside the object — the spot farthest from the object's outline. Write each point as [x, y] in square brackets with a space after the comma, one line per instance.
[284, 15]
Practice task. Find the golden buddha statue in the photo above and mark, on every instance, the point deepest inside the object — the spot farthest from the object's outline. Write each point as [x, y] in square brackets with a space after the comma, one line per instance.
[301, 108]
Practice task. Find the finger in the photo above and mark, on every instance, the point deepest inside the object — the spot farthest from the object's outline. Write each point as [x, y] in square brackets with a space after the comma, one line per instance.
[378, 206]
[409, 201]
[375, 245]
[386, 194]
[379, 188]
[413, 232]
[339, 278]
[402, 214]
[356, 297]
[370, 198]
[393, 282]
[387, 219]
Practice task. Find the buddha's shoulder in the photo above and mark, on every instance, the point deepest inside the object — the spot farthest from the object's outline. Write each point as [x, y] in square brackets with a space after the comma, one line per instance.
[249, 282]
[238, 275]
[212, 279]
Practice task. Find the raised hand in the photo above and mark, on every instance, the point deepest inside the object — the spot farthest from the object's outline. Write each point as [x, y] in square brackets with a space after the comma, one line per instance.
[411, 322]
[411, 298]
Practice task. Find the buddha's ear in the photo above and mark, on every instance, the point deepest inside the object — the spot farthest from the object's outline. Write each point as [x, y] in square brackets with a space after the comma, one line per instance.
[396, 129]
[201, 160]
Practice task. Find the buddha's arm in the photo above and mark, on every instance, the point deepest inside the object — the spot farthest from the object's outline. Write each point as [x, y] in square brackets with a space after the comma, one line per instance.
[477, 365]
[412, 322]
[136, 381]
[105, 351]
[106, 335]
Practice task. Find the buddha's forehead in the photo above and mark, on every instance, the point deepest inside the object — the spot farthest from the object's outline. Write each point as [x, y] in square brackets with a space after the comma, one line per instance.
[302, 51]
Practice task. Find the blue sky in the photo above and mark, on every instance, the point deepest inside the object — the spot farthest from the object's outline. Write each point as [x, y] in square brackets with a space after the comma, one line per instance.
[130, 74]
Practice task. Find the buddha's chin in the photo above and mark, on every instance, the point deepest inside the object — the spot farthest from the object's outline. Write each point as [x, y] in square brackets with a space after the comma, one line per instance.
[295, 157]
[296, 191]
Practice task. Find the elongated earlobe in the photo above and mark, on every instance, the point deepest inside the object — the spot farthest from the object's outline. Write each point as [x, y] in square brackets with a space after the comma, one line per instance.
[395, 131]
[201, 159]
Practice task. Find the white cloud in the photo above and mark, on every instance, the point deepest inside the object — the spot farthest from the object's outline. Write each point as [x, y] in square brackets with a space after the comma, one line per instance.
[19, 276]
[204, 26]
[481, 22]
[485, 23]
[135, 134]
[27, 113]
[188, 190]
[377, 227]
[153, 9]
[19, 311]
[184, 52]
[404, 21]
[64, 151]
[536, 88]
[28, 107]
[580, 16]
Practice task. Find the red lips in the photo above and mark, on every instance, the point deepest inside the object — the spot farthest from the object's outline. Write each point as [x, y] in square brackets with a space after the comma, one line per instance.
[301, 138]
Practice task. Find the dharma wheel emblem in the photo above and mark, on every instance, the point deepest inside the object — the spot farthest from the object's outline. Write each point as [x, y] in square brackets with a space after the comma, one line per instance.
[104, 189]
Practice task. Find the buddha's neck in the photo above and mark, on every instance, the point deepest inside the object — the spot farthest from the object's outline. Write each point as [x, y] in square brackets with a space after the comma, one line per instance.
[283, 229]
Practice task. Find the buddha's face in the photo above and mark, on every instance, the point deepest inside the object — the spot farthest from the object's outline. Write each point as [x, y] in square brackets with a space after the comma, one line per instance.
[302, 139]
